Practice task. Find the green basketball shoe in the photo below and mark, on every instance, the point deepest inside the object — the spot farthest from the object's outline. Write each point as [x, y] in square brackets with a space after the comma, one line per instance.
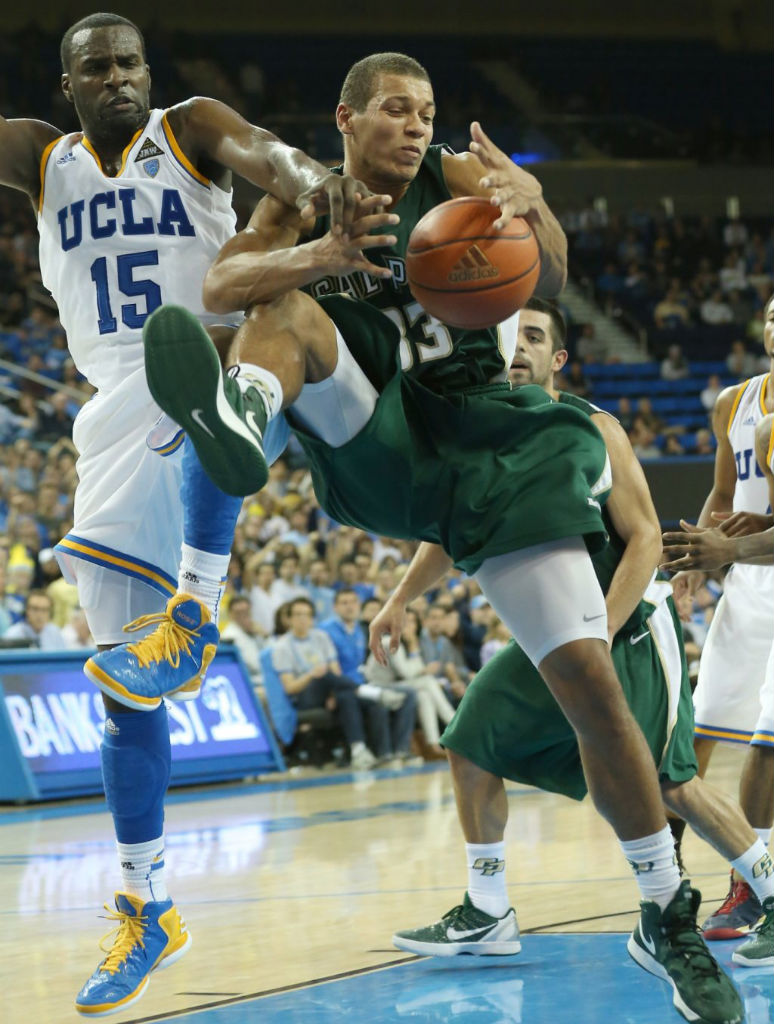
[465, 929]
[758, 950]
[224, 422]
[668, 944]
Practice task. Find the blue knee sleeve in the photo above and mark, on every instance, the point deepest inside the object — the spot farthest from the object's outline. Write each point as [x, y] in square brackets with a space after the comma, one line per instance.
[136, 759]
[209, 515]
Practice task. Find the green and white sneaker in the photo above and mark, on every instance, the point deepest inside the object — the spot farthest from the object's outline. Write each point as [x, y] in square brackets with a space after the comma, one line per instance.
[465, 929]
[758, 950]
[225, 423]
[668, 944]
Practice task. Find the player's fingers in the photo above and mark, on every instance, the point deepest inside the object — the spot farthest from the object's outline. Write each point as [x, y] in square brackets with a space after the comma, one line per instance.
[690, 527]
[670, 539]
[371, 221]
[308, 210]
[675, 564]
[373, 268]
[335, 194]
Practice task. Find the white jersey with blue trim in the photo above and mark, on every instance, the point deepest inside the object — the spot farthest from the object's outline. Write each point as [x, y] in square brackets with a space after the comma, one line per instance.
[113, 249]
[751, 493]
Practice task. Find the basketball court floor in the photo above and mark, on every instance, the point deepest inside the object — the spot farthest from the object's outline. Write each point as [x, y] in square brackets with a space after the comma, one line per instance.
[292, 888]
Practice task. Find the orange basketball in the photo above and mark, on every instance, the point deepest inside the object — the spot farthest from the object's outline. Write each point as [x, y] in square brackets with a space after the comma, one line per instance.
[463, 271]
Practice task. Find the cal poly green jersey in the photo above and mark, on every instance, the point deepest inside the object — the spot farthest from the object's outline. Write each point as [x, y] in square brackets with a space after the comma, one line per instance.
[443, 358]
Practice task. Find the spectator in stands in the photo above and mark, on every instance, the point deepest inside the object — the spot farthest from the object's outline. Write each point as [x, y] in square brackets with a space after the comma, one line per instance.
[741, 363]
[406, 667]
[710, 393]
[715, 310]
[5, 615]
[244, 634]
[675, 366]
[19, 575]
[317, 586]
[305, 660]
[630, 249]
[625, 413]
[672, 446]
[287, 585]
[575, 381]
[734, 234]
[257, 582]
[643, 440]
[609, 284]
[497, 637]
[647, 417]
[36, 626]
[704, 442]
[369, 611]
[475, 624]
[441, 658]
[76, 632]
[671, 313]
[391, 710]
[64, 595]
[348, 577]
[732, 274]
[590, 348]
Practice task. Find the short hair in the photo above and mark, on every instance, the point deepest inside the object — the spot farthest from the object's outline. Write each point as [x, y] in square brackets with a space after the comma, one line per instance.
[238, 599]
[359, 84]
[103, 20]
[558, 323]
[301, 600]
[36, 595]
[343, 591]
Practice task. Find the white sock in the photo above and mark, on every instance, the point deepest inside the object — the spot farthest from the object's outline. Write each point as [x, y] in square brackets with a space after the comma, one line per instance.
[765, 835]
[486, 877]
[756, 868]
[142, 869]
[653, 861]
[249, 375]
[203, 576]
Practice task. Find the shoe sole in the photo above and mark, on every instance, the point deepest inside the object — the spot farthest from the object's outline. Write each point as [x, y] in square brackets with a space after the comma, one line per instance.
[502, 947]
[652, 966]
[139, 992]
[185, 379]
[727, 934]
[764, 961]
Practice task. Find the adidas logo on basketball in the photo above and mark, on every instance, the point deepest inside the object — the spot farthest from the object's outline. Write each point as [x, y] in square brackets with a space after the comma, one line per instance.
[473, 266]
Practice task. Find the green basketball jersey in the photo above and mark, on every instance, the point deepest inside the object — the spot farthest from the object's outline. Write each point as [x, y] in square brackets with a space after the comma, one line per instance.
[443, 358]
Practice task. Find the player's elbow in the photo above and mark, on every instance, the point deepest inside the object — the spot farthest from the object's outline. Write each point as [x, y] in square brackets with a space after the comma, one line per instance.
[216, 295]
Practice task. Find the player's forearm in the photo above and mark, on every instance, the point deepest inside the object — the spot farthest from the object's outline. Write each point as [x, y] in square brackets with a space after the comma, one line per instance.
[249, 278]
[426, 567]
[631, 578]
[552, 243]
[717, 501]
[292, 172]
[755, 549]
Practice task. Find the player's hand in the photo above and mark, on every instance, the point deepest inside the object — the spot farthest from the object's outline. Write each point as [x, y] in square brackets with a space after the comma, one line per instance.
[389, 622]
[516, 192]
[342, 254]
[742, 524]
[684, 586]
[341, 195]
[697, 547]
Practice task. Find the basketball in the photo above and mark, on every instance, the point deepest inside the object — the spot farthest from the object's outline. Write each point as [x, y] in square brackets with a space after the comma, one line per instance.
[464, 272]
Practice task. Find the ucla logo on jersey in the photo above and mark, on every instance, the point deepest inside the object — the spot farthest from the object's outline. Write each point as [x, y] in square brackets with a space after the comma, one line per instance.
[151, 167]
[118, 212]
[744, 461]
[68, 158]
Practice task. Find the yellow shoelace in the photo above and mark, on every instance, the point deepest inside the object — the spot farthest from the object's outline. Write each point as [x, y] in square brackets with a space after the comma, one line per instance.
[128, 934]
[164, 643]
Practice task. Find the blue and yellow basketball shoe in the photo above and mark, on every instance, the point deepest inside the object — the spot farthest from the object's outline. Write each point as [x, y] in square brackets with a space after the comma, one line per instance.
[170, 662]
[149, 937]
[224, 422]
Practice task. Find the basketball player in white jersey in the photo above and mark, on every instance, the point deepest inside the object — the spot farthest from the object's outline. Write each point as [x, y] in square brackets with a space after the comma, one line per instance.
[733, 663]
[712, 548]
[132, 210]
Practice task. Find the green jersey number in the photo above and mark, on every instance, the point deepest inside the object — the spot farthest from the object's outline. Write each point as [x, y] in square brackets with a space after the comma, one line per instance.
[439, 343]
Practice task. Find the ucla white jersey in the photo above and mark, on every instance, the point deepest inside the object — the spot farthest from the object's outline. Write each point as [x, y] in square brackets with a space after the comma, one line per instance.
[113, 249]
[751, 491]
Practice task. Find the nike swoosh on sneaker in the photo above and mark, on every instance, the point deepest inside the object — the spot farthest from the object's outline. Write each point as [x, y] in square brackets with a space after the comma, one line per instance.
[252, 423]
[471, 933]
[649, 944]
[196, 416]
[636, 639]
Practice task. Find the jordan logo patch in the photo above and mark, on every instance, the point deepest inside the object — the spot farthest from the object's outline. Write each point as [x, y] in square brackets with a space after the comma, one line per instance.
[148, 149]
[473, 266]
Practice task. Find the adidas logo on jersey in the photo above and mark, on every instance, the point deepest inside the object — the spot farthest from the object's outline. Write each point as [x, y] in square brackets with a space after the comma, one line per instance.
[473, 266]
[749, 422]
[68, 158]
[147, 150]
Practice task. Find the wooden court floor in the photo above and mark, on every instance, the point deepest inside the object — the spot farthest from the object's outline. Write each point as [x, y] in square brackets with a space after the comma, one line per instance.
[292, 881]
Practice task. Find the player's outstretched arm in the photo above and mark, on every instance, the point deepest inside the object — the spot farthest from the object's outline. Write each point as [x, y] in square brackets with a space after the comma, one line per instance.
[263, 262]
[634, 516]
[708, 547]
[426, 567]
[209, 131]
[22, 142]
[487, 171]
